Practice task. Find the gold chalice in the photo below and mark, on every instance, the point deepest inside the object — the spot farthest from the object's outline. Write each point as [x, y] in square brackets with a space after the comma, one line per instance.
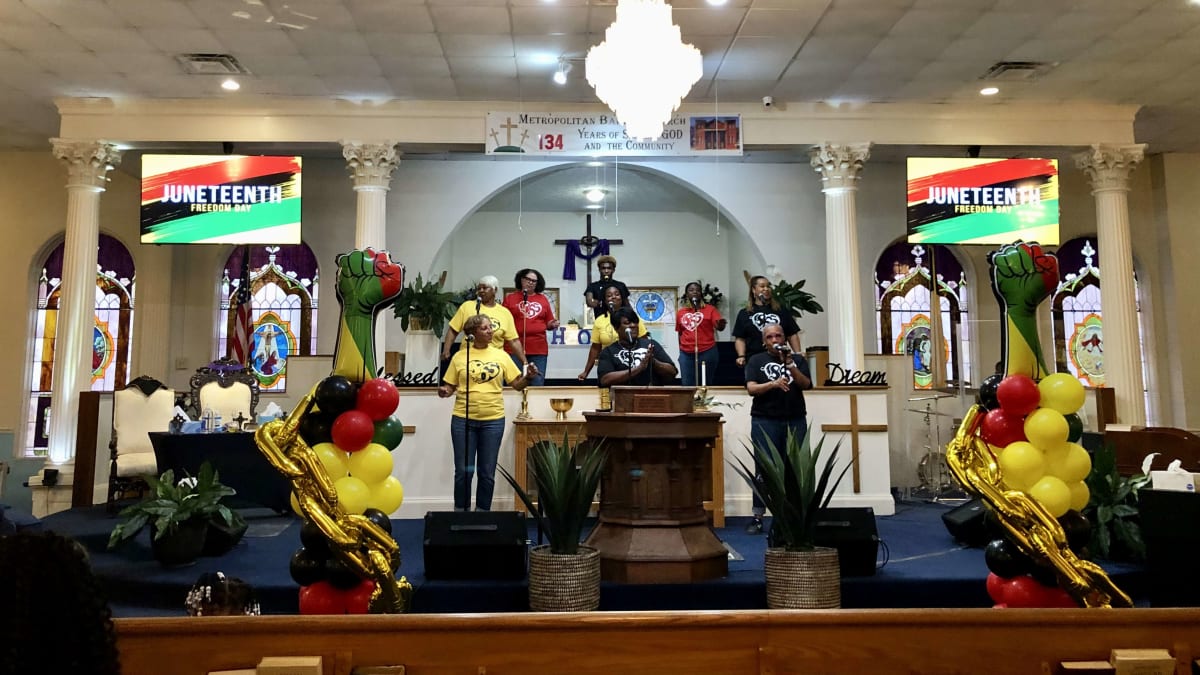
[561, 406]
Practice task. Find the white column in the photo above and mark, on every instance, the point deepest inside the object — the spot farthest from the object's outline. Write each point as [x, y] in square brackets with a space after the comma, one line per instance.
[1108, 167]
[88, 162]
[839, 166]
[371, 166]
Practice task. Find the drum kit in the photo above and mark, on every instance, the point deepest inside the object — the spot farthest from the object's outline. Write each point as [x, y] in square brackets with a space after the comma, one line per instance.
[935, 482]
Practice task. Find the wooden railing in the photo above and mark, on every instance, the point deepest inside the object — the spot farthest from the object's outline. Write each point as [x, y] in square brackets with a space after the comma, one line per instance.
[929, 642]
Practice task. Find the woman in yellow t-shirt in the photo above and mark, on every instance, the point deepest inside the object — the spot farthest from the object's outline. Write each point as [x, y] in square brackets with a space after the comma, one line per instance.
[504, 330]
[484, 377]
[603, 333]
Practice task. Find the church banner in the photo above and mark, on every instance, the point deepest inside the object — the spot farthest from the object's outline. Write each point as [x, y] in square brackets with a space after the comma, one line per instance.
[601, 135]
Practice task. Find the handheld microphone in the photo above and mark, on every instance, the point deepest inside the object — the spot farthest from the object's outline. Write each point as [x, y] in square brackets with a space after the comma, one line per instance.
[611, 308]
[525, 296]
[476, 305]
[629, 334]
[695, 303]
[783, 349]
[762, 298]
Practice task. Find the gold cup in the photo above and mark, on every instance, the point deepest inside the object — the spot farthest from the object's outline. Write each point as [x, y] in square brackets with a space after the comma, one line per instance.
[561, 406]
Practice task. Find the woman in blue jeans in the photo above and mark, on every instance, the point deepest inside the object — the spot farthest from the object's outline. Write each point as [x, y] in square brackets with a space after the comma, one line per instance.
[476, 431]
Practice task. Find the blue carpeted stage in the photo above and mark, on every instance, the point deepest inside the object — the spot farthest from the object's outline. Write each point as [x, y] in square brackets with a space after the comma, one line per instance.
[924, 567]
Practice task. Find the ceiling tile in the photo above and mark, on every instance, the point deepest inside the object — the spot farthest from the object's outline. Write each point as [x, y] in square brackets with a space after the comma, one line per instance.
[349, 65]
[20, 37]
[478, 20]
[432, 88]
[456, 45]
[293, 85]
[1049, 50]
[386, 44]
[258, 40]
[120, 62]
[78, 12]
[705, 21]
[391, 17]
[1013, 26]
[358, 86]
[532, 49]
[829, 48]
[910, 47]
[549, 20]
[864, 20]
[485, 89]
[69, 62]
[791, 23]
[754, 58]
[184, 41]
[332, 43]
[18, 13]
[277, 65]
[101, 39]
[153, 13]
[414, 67]
[934, 22]
[482, 67]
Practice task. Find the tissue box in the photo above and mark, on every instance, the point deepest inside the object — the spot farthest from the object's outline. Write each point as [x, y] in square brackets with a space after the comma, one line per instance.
[1173, 480]
[290, 665]
[192, 427]
[1143, 662]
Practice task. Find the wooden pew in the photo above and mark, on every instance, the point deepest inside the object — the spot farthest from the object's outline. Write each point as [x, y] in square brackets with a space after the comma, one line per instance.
[930, 642]
[1133, 445]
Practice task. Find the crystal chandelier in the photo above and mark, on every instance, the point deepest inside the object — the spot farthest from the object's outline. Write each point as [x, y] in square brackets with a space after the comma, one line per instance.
[643, 69]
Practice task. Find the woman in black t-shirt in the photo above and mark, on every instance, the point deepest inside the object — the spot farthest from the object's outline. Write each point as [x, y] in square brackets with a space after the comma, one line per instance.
[761, 310]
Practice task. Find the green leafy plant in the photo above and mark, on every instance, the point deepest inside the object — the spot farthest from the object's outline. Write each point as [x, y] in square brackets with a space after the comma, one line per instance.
[425, 302]
[174, 503]
[1113, 509]
[792, 488]
[794, 298]
[566, 477]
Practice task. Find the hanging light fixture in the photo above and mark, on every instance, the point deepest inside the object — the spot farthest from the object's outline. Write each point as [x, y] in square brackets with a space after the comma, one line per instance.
[643, 69]
[560, 75]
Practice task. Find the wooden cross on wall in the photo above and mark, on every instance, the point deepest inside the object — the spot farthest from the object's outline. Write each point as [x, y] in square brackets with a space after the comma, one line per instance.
[588, 242]
[853, 428]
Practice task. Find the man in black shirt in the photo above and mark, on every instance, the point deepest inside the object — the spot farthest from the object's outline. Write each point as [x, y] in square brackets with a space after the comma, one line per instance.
[594, 293]
[634, 360]
[761, 310]
[776, 379]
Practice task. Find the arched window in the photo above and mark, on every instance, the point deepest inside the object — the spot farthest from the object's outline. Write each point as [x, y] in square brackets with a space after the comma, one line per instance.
[903, 309]
[283, 287]
[111, 334]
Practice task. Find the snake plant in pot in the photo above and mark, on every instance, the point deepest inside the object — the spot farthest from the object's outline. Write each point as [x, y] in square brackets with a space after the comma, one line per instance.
[564, 576]
[796, 482]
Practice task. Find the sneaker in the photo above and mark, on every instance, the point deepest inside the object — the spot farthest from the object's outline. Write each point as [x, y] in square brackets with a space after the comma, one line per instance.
[755, 526]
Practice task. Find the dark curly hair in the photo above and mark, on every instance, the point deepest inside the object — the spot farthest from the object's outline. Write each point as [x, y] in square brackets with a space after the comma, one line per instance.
[47, 589]
[541, 282]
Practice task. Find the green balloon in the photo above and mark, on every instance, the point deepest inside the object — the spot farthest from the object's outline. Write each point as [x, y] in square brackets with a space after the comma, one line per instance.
[1074, 428]
[389, 431]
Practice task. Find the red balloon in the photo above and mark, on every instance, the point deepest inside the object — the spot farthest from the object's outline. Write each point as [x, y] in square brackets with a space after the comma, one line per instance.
[1000, 605]
[321, 598]
[996, 588]
[1018, 394]
[378, 398]
[353, 430]
[358, 599]
[1025, 591]
[1057, 597]
[1000, 427]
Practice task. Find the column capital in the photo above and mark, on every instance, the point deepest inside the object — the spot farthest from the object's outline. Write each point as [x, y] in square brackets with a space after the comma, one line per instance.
[371, 164]
[1108, 166]
[839, 163]
[88, 162]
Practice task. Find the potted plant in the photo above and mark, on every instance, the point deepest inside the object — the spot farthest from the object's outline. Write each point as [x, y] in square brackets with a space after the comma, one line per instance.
[183, 516]
[564, 576]
[794, 487]
[425, 305]
[794, 298]
[1113, 509]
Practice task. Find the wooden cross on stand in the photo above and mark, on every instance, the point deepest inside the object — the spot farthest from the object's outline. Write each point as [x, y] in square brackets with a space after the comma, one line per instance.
[588, 242]
[853, 428]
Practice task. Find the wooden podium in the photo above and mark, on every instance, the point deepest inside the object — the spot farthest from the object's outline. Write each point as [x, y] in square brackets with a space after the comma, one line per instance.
[652, 526]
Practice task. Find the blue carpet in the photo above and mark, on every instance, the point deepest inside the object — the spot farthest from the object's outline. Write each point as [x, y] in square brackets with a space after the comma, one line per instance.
[920, 566]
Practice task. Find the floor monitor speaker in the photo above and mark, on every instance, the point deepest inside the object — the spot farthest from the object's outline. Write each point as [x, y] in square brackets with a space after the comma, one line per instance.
[475, 545]
[967, 523]
[851, 530]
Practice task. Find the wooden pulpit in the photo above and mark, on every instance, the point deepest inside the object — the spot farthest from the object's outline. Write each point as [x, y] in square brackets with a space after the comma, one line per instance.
[652, 526]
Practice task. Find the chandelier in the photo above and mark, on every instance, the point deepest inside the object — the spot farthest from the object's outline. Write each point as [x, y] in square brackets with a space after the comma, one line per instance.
[643, 69]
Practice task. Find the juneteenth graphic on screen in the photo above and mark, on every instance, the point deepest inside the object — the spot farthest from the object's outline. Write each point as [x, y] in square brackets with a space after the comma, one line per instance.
[220, 199]
[982, 201]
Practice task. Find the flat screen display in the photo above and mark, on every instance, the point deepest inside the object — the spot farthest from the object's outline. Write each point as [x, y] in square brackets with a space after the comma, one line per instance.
[220, 199]
[982, 201]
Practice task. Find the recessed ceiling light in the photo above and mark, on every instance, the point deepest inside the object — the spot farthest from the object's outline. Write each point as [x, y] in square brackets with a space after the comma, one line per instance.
[594, 194]
[989, 91]
[230, 85]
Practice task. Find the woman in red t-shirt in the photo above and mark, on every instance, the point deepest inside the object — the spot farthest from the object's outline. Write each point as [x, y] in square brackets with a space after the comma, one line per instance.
[697, 323]
[533, 315]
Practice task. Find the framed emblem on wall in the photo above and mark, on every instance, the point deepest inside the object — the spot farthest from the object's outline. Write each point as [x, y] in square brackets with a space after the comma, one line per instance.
[654, 305]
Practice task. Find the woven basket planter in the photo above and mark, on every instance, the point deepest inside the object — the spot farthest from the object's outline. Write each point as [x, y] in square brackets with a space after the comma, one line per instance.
[803, 579]
[564, 583]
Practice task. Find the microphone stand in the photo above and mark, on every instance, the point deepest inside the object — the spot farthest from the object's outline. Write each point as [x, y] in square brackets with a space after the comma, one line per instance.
[701, 391]
[467, 401]
[524, 414]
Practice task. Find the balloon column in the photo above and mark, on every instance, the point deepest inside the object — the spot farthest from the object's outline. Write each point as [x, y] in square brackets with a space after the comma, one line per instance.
[1018, 450]
[335, 448]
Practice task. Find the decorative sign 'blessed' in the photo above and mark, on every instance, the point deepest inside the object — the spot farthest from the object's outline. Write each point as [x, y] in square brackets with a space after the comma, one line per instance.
[840, 377]
[429, 379]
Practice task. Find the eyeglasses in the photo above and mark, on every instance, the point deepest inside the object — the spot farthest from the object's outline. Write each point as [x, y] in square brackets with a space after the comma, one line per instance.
[533, 279]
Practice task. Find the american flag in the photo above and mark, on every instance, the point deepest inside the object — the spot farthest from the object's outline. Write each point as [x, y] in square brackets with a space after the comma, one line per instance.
[243, 319]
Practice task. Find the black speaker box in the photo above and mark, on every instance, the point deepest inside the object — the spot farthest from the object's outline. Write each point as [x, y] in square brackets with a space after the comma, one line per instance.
[475, 545]
[968, 523]
[852, 532]
[1168, 521]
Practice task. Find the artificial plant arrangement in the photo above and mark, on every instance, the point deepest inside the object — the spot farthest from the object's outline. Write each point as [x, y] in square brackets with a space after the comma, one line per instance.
[794, 298]
[1113, 509]
[566, 477]
[426, 304]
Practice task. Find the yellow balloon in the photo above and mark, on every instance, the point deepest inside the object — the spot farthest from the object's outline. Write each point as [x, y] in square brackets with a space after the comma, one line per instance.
[1053, 494]
[1070, 462]
[371, 464]
[1080, 495]
[1046, 428]
[352, 494]
[1062, 392]
[1022, 465]
[387, 496]
[333, 459]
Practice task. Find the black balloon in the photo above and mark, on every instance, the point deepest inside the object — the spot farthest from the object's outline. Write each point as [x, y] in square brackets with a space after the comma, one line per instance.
[1005, 560]
[305, 568]
[335, 395]
[1074, 427]
[314, 540]
[379, 518]
[340, 576]
[987, 391]
[316, 428]
[1077, 528]
[1044, 575]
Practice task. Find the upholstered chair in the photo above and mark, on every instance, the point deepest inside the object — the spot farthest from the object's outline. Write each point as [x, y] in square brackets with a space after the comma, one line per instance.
[226, 387]
[143, 406]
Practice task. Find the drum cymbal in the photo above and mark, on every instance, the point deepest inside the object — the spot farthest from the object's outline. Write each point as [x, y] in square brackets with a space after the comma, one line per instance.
[929, 412]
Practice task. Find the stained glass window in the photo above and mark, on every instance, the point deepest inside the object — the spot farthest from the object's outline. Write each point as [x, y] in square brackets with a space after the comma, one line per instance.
[903, 309]
[111, 333]
[284, 291]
